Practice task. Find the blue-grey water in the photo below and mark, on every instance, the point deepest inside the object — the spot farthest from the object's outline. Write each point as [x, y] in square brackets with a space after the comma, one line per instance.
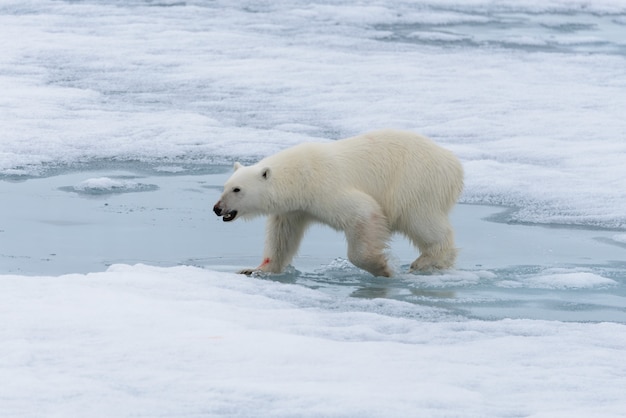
[84, 221]
[565, 32]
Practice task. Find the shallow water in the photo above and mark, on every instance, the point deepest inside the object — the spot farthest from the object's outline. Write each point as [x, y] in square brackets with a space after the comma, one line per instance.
[84, 221]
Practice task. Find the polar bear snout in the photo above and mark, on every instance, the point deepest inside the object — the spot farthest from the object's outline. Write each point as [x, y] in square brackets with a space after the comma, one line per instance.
[227, 215]
[217, 209]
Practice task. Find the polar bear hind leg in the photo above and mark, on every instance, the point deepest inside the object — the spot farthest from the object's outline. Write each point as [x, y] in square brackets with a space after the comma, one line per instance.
[435, 242]
[367, 232]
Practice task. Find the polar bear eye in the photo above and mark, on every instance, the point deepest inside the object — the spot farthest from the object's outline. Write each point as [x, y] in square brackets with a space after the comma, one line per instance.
[236, 190]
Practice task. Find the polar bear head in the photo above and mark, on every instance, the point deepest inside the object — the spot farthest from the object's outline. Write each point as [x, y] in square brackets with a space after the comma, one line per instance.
[244, 193]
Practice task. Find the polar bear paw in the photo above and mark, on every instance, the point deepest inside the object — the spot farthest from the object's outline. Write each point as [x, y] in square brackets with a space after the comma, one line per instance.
[249, 271]
[429, 262]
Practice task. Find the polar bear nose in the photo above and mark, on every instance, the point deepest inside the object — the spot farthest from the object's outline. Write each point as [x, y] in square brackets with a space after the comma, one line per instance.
[217, 209]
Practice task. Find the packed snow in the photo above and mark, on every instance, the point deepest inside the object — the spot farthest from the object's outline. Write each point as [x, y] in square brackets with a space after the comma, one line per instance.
[182, 341]
[529, 94]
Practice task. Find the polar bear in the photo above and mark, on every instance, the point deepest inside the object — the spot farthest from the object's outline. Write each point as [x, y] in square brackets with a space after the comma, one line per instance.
[368, 186]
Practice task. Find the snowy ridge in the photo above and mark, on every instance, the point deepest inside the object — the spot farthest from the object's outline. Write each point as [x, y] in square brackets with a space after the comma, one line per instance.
[139, 340]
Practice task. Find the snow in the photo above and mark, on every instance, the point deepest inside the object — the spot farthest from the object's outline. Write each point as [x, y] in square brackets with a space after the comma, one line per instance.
[539, 129]
[146, 341]
[109, 185]
[103, 183]
[561, 278]
[529, 94]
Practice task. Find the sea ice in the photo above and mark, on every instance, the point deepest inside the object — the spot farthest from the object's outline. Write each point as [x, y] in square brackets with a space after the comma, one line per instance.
[531, 96]
[140, 340]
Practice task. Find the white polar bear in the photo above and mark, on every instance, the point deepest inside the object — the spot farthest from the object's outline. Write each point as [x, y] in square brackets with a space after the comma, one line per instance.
[368, 186]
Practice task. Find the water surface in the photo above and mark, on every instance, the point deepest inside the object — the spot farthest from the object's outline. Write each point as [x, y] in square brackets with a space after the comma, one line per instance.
[84, 221]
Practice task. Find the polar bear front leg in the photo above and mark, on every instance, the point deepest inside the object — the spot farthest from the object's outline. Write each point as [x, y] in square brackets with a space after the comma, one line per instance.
[282, 239]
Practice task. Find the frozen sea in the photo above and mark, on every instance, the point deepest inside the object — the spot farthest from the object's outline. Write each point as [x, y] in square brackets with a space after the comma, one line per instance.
[120, 121]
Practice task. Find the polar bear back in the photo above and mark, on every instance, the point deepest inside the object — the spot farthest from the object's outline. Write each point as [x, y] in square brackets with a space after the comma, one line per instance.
[404, 172]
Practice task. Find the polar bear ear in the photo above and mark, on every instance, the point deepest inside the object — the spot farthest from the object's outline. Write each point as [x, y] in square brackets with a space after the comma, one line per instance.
[266, 173]
[237, 166]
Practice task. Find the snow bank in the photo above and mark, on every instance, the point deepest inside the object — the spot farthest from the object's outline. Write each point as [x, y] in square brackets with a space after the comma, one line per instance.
[146, 341]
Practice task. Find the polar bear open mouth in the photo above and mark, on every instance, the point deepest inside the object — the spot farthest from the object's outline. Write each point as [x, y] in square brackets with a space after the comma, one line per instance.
[229, 216]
